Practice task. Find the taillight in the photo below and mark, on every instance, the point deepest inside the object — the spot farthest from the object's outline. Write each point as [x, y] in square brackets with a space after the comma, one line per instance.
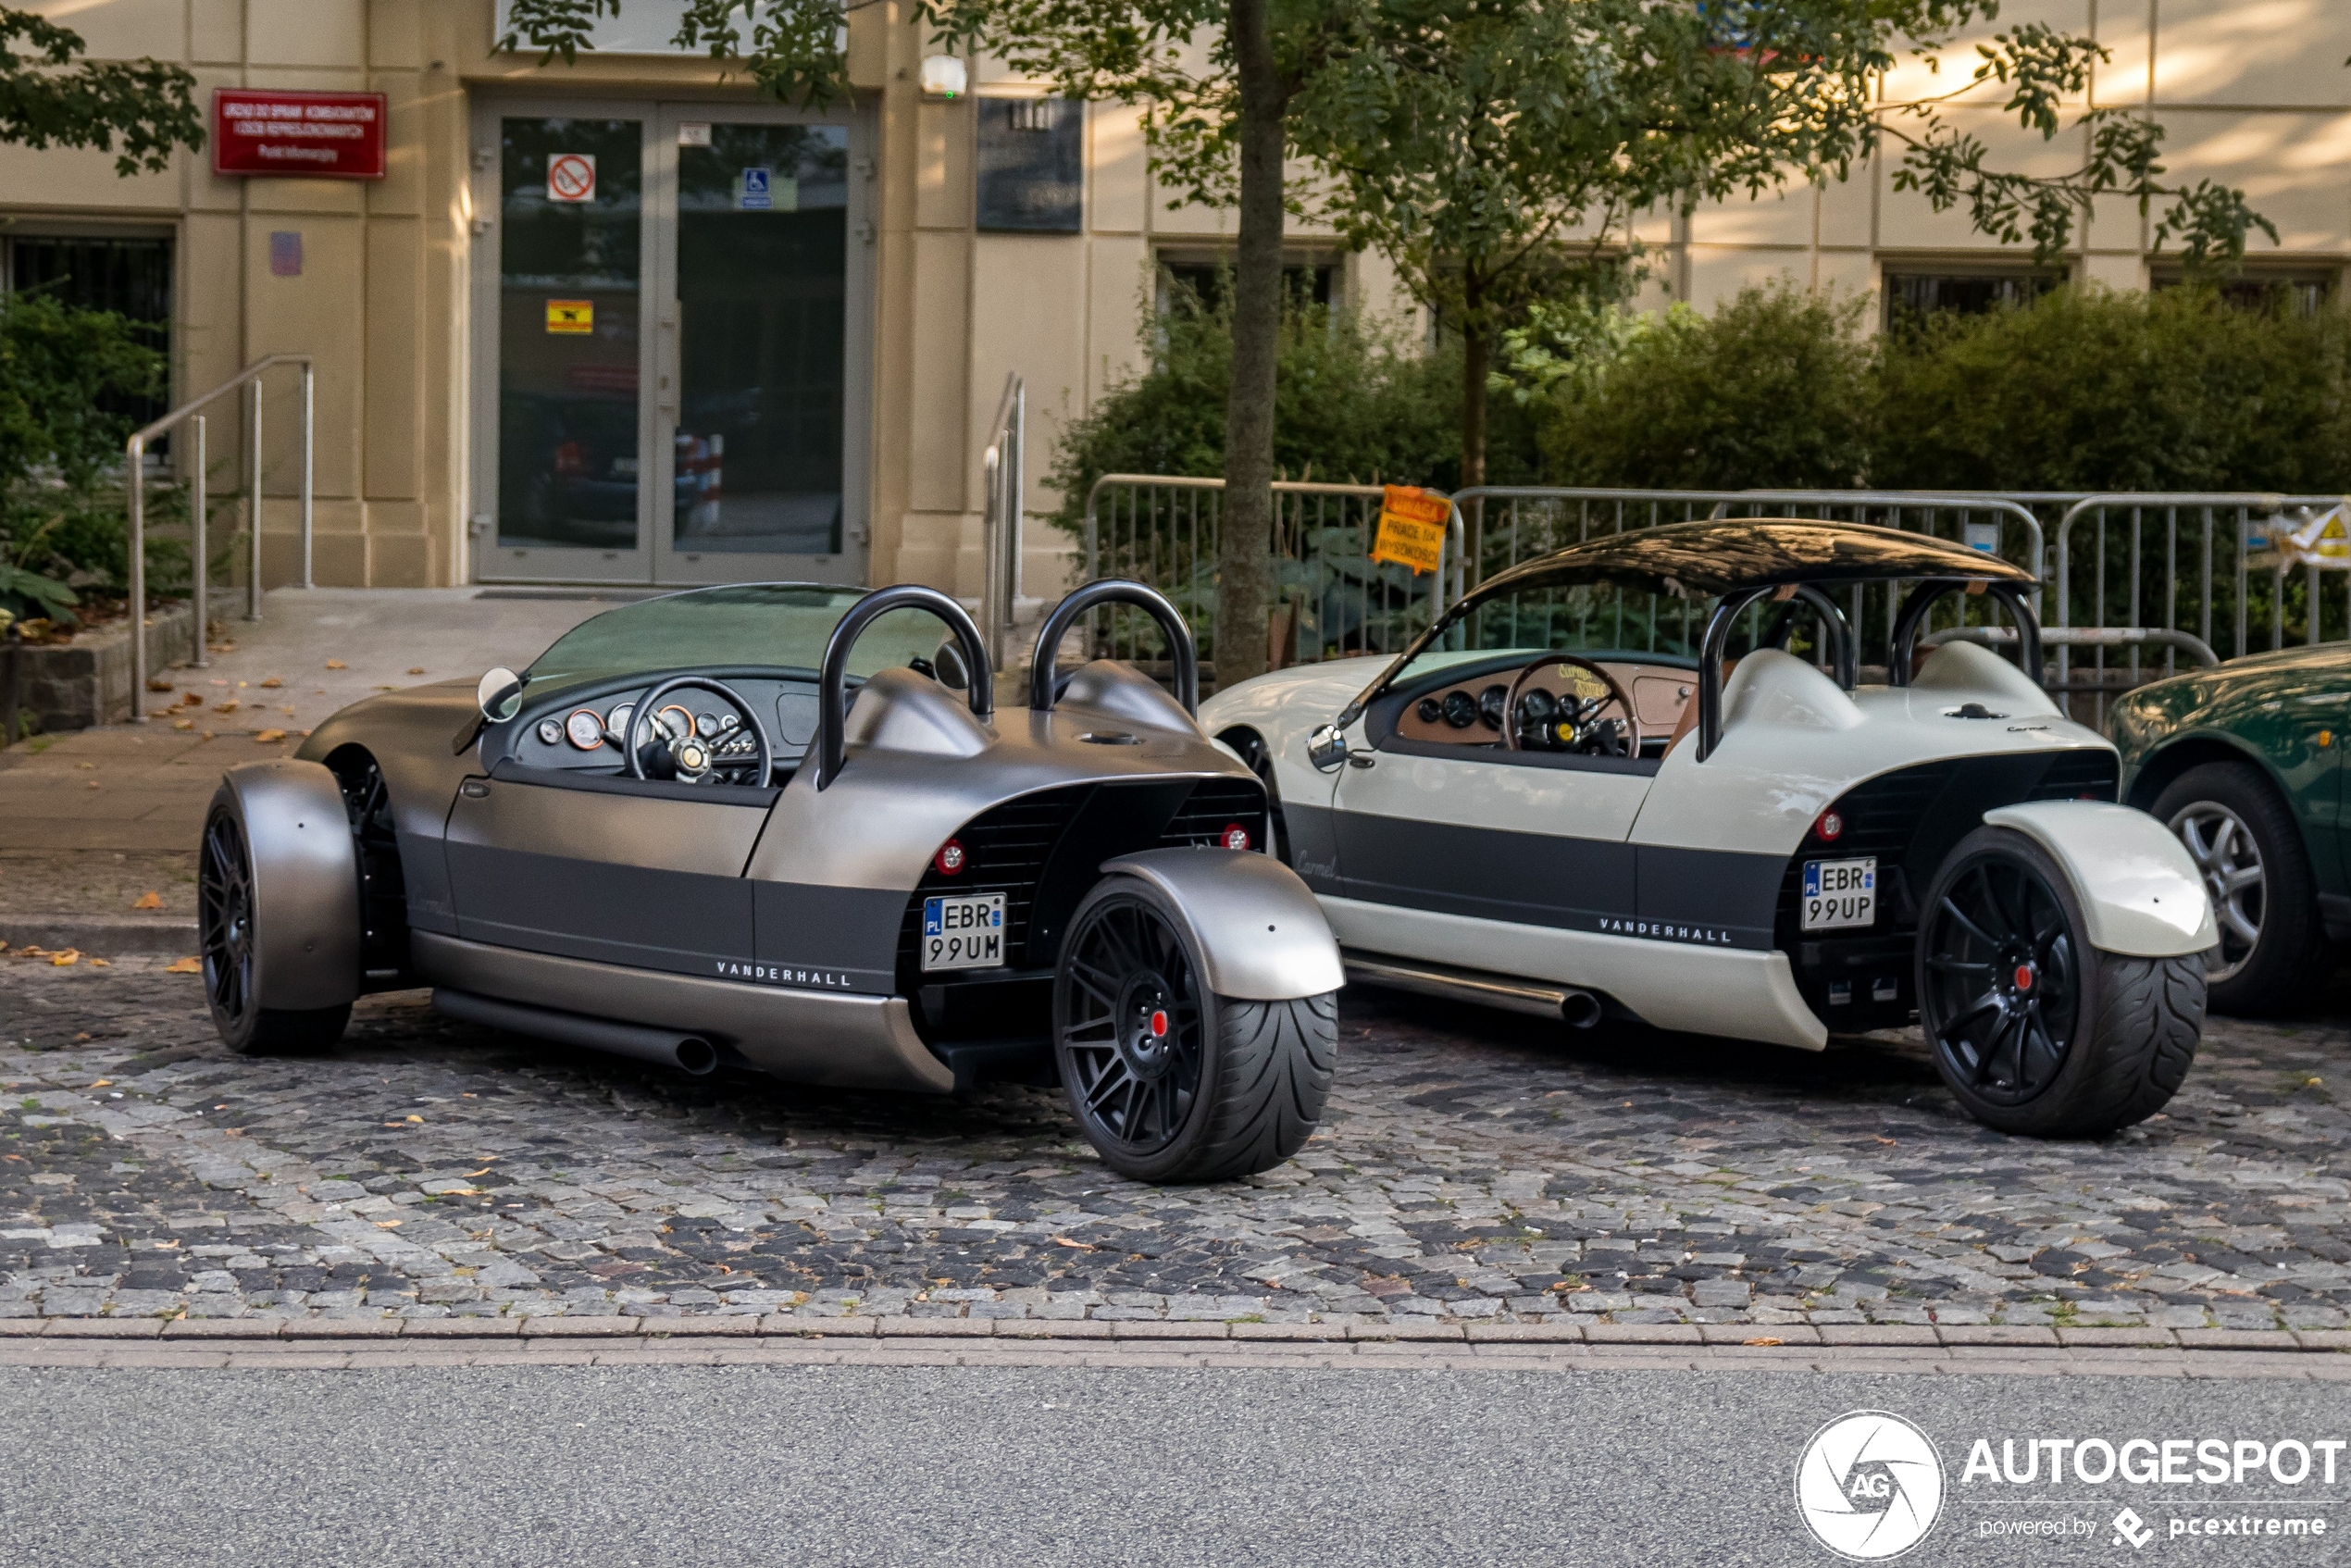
[1235, 836]
[949, 858]
[1829, 826]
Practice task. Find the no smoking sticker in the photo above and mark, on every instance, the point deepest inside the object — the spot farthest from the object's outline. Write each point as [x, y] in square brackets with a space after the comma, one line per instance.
[571, 177]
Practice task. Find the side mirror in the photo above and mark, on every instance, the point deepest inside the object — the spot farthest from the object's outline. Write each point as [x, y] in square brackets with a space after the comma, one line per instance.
[1326, 748]
[500, 695]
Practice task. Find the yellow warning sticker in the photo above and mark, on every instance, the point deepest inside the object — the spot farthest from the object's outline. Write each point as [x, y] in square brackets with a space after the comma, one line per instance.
[571, 316]
[1412, 527]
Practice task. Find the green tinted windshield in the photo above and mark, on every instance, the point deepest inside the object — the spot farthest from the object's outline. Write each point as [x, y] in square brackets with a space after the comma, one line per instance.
[742, 624]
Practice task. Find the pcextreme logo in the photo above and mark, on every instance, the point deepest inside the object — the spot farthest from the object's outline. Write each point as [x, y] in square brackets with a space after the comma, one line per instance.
[1869, 1486]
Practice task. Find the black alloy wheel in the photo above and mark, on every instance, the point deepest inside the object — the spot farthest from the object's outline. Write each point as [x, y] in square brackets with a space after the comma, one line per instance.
[2035, 1030]
[2002, 979]
[224, 903]
[1132, 1033]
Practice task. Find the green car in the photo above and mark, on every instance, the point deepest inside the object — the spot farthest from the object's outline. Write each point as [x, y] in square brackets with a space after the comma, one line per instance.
[2243, 762]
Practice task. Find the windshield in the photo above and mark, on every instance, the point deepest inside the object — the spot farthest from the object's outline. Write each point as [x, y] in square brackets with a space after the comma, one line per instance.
[757, 625]
[1589, 618]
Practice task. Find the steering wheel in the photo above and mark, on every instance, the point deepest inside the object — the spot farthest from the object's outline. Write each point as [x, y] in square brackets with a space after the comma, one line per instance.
[741, 755]
[1537, 719]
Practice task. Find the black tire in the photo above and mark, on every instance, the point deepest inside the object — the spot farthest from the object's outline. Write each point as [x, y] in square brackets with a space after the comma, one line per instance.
[2034, 1030]
[224, 926]
[2243, 837]
[1171, 1082]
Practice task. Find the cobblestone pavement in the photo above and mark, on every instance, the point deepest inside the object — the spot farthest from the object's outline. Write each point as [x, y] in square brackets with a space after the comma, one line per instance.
[1472, 1167]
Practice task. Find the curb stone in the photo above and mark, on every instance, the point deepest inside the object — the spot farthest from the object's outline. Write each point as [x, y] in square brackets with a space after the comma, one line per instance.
[103, 935]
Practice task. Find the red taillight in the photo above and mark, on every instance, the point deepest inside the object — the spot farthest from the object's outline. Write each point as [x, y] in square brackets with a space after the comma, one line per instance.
[571, 458]
[1235, 836]
[1828, 828]
[949, 858]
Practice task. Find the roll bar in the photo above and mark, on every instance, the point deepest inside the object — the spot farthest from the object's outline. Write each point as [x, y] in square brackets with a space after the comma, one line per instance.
[1114, 591]
[1913, 616]
[1717, 639]
[832, 689]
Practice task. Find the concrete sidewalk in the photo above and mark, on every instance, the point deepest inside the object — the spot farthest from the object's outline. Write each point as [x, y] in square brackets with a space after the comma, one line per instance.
[91, 822]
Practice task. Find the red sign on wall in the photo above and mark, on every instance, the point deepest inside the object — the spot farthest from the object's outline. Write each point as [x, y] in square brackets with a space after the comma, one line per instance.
[310, 135]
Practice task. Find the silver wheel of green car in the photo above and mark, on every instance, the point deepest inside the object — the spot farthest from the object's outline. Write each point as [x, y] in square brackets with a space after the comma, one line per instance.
[2221, 844]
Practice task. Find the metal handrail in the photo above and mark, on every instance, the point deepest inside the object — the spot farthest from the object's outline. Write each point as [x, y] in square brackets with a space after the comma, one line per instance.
[1001, 468]
[135, 488]
[2188, 642]
[1453, 534]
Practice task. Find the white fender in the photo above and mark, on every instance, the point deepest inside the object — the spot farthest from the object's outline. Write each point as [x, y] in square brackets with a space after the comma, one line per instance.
[2139, 891]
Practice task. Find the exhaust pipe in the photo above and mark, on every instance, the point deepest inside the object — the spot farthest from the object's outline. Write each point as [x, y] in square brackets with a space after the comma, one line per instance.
[669, 1047]
[1580, 1009]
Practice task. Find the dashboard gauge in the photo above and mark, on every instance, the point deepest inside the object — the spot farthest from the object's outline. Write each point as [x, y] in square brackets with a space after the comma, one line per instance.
[1490, 703]
[1539, 704]
[1430, 710]
[706, 725]
[617, 721]
[550, 732]
[676, 719]
[1460, 709]
[729, 723]
[584, 730]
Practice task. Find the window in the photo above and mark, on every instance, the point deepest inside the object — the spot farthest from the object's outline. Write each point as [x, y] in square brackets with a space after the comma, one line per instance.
[128, 275]
[1913, 296]
[2298, 293]
[1205, 279]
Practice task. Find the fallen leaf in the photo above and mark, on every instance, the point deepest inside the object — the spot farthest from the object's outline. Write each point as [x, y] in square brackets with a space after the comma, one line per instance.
[101, 964]
[148, 900]
[417, 670]
[264, 736]
[103, 1083]
[87, 766]
[72, 955]
[155, 685]
[387, 1225]
[183, 966]
[228, 707]
[1066, 1241]
[94, 784]
[32, 953]
[1763, 1339]
[337, 663]
[183, 724]
[1890, 1143]
[240, 685]
[272, 683]
[416, 1118]
[193, 699]
[81, 1037]
[207, 734]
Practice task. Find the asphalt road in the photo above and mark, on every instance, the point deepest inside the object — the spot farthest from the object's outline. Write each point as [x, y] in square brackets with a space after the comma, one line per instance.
[518, 1467]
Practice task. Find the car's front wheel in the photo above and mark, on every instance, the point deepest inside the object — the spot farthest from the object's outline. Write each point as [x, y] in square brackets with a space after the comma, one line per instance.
[1170, 1081]
[2034, 1030]
[2244, 840]
[226, 912]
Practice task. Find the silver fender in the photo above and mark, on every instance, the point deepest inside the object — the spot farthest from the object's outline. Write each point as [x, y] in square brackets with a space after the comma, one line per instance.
[1259, 932]
[2139, 891]
[305, 882]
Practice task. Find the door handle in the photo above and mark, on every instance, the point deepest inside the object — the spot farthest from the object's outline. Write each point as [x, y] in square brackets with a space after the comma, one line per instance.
[1360, 759]
[475, 789]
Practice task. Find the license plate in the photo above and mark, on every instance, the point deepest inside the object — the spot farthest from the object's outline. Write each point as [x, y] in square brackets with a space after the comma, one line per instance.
[1840, 893]
[964, 932]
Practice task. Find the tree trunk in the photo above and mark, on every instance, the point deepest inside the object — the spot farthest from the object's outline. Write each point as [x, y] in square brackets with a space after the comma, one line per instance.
[1473, 350]
[1244, 566]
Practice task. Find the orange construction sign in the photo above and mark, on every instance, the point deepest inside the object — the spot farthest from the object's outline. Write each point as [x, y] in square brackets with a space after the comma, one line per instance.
[1412, 527]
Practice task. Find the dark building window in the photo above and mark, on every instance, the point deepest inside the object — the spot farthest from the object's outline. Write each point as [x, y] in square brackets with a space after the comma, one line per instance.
[1914, 296]
[131, 277]
[1207, 280]
[1032, 164]
[2297, 293]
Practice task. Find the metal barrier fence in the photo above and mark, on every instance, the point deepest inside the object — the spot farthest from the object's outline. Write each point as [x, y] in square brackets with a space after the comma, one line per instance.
[1330, 599]
[1002, 473]
[2181, 563]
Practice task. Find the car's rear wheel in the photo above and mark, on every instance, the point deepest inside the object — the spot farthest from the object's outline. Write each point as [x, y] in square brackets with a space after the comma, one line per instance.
[1171, 1082]
[2244, 840]
[226, 913]
[2034, 1030]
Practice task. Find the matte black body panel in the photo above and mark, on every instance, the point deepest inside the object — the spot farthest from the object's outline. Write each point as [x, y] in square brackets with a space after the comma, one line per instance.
[1313, 846]
[838, 938]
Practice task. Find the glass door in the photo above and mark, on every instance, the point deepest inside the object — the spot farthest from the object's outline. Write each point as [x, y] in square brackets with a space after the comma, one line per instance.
[672, 309]
[758, 385]
[563, 448]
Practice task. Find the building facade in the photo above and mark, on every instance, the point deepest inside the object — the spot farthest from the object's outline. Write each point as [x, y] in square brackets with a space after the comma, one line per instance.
[623, 322]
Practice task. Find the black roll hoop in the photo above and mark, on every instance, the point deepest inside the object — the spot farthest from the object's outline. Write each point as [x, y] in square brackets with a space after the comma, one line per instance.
[1913, 616]
[832, 687]
[1114, 591]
